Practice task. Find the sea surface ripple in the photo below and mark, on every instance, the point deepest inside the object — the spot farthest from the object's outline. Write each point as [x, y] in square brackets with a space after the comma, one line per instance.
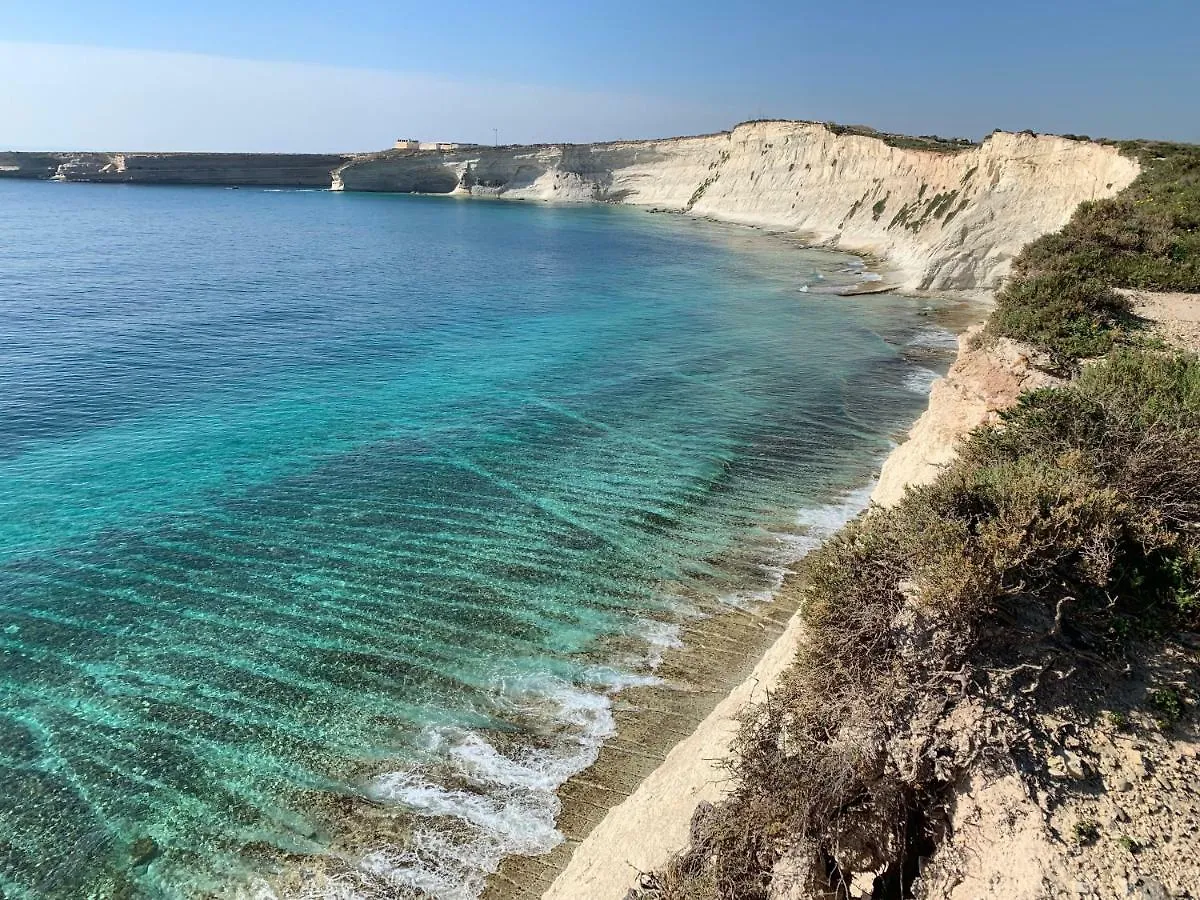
[329, 524]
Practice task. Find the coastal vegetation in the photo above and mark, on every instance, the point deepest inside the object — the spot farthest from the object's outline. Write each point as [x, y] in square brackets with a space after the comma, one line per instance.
[1146, 237]
[1061, 297]
[1058, 553]
[933, 142]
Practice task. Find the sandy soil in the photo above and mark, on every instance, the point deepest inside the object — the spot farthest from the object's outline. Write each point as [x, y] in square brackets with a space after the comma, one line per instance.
[1176, 317]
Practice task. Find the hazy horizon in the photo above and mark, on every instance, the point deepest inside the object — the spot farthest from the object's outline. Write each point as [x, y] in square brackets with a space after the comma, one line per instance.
[290, 78]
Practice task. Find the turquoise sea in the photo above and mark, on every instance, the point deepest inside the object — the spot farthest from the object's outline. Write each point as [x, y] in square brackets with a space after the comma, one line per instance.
[330, 524]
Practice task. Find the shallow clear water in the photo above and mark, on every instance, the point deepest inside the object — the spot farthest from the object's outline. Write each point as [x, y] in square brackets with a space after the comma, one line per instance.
[308, 497]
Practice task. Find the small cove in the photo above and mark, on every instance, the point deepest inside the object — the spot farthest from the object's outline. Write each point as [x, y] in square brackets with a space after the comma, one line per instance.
[332, 523]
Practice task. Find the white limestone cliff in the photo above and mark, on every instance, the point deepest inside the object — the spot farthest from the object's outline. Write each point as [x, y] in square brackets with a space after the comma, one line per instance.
[982, 382]
[940, 220]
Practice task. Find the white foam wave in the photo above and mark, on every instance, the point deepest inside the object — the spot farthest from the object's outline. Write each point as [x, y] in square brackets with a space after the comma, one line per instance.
[474, 803]
[822, 521]
[653, 638]
[614, 680]
[935, 339]
[661, 637]
[813, 525]
[920, 380]
[743, 599]
[518, 817]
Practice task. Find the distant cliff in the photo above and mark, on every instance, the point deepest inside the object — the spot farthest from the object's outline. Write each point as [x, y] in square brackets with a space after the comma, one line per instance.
[941, 219]
[273, 169]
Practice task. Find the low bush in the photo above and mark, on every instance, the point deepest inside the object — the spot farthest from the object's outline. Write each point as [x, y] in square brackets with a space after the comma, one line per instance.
[1166, 705]
[1059, 313]
[1087, 831]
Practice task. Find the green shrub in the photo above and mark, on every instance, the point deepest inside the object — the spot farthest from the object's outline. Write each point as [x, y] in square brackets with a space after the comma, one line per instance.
[1128, 428]
[1059, 313]
[1167, 706]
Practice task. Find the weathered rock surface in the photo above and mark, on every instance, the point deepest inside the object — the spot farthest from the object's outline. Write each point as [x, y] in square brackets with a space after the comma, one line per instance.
[940, 220]
[1115, 813]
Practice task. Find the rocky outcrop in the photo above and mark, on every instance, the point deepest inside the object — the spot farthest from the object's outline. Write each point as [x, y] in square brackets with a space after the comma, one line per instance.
[1116, 819]
[29, 165]
[231, 169]
[941, 220]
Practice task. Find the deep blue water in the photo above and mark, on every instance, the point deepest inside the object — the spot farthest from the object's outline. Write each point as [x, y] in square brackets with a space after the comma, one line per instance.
[308, 497]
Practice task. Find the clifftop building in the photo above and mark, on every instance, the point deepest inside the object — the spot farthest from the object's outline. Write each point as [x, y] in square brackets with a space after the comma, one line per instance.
[442, 145]
[410, 144]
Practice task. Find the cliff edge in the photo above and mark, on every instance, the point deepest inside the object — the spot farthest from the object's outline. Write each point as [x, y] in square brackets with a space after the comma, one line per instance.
[942, 220]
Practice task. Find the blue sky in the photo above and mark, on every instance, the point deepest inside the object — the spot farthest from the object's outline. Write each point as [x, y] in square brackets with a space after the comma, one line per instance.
[302, 75]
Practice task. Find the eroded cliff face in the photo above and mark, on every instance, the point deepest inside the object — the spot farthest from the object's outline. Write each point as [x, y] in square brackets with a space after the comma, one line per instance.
[940, 220]
[274, 169]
